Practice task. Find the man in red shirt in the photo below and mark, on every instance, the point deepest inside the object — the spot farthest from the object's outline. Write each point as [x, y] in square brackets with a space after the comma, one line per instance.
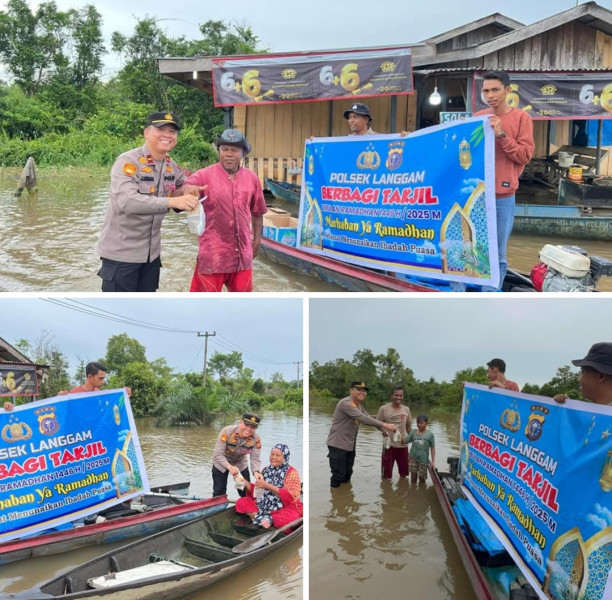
[234, 207]
[95, 374]
[496, 374]
[514, 147]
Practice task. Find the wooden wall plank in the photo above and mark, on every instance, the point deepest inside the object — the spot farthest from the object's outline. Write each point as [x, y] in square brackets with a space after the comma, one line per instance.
[296, 142]
[240, 118]
[251, 129]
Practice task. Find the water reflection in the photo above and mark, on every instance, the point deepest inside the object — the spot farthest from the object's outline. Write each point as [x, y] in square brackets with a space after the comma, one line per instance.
[386, 538]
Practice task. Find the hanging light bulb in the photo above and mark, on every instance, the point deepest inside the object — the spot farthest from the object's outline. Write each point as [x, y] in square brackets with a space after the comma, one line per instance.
[435, 97]
[194, 75]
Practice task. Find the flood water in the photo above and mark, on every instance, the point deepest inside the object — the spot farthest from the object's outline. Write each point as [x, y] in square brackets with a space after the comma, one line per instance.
[374, 538]
[185, 454]
[48, 241]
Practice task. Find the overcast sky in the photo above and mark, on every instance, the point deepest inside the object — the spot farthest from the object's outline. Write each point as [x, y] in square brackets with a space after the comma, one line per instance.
[436, 337]
[267, 331]
[284, 26]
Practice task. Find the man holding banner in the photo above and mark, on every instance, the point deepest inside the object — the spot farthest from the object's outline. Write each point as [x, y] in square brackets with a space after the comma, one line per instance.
[514, 147]
[359, 118]
[596, 373]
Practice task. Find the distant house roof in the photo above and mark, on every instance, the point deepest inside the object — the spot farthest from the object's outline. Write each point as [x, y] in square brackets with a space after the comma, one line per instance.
[10, 354]
[471, 41]
[434, 52]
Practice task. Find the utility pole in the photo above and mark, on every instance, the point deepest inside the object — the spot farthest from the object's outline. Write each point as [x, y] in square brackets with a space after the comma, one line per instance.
[298, 363]
[206, 335]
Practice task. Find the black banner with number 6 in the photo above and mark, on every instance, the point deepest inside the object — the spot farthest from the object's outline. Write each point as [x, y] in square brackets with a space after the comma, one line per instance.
[323, 76]
[548, 96]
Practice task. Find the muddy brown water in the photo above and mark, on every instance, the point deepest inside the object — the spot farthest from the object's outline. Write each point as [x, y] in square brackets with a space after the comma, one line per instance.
[374, 538]
[48, 241]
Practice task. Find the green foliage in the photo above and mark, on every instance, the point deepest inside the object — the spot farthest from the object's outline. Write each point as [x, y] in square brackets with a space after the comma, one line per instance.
[380, 371]
[181, 406]
[122, 350]
[295, 397]
[44, 352]
[58, 111]
[37, 46]
[147, 388]
[225, 366]
[564, 382]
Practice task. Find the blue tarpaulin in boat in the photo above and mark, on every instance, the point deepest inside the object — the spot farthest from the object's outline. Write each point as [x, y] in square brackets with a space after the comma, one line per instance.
[476, 529]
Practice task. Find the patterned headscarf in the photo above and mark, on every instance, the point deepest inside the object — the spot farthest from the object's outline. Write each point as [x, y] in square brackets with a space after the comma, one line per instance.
[270, 502]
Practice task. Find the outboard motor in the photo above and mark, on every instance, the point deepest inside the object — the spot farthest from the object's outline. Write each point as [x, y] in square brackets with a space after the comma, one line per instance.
[570, 269]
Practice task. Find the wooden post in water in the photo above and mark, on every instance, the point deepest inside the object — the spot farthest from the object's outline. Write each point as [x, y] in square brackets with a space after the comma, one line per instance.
[28, 178]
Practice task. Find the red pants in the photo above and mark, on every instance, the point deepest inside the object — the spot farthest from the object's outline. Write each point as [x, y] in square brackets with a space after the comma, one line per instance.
[392, 455]
[280, 517]
[241, 281]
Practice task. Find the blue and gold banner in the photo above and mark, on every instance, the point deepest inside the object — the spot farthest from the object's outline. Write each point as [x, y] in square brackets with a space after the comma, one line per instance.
[66, 457]
[541, 475]
[421, 205]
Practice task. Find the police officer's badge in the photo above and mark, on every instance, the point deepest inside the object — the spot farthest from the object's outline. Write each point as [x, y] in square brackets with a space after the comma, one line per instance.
[129, 169]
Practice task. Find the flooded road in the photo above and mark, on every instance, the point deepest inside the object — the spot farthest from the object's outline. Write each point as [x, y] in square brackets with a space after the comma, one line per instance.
[185, 454]
[48, 241]
[374, 538]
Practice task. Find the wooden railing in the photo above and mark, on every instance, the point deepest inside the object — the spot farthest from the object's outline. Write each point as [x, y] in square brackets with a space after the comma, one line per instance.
[281, 169]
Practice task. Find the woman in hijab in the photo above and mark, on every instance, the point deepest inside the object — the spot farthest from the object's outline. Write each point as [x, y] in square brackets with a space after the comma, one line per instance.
[280, 502]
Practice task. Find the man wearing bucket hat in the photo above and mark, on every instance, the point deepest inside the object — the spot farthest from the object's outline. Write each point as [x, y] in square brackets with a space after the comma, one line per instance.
[595, 375]
[234, 209]
[359, 118]
[235, 443]
[342, 437]
[145, 184]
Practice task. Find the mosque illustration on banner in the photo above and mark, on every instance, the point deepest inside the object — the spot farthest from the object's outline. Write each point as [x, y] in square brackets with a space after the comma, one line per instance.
[312, 223]
[464, 237]
[125, 469]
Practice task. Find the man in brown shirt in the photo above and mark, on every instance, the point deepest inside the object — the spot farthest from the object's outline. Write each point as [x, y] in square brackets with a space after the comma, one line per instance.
[145, 184]
[496, 374]
[343, 433]
[395, 452]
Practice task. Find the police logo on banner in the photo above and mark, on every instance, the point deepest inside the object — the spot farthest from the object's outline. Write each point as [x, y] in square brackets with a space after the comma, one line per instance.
[535, 424]
[47, 421]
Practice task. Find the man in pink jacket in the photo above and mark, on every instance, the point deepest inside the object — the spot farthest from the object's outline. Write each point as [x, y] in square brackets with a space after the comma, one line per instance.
[514, 147]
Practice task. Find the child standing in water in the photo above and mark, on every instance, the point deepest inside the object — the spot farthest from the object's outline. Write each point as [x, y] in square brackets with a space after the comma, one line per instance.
[422, 443]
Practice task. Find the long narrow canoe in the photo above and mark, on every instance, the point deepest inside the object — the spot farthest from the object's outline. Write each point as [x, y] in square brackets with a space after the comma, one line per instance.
[158, 512]
[490, 576]
[359, 279]
[172, 564]
[345, 275]
[289, 192]
[563, 221]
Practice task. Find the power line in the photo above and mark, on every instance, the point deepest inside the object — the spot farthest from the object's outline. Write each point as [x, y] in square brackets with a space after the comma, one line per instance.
[111, 316]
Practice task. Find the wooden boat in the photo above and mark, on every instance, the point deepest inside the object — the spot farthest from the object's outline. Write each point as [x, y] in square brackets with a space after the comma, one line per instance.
[563, 221]
[289, 192]
[345, 275]
[490, 576]
[593, 191]
[151, 513]
[171, 564]
[360, 279]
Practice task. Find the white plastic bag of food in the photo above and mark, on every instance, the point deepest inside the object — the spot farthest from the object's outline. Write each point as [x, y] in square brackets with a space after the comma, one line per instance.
[397, 436]
[196, 219]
